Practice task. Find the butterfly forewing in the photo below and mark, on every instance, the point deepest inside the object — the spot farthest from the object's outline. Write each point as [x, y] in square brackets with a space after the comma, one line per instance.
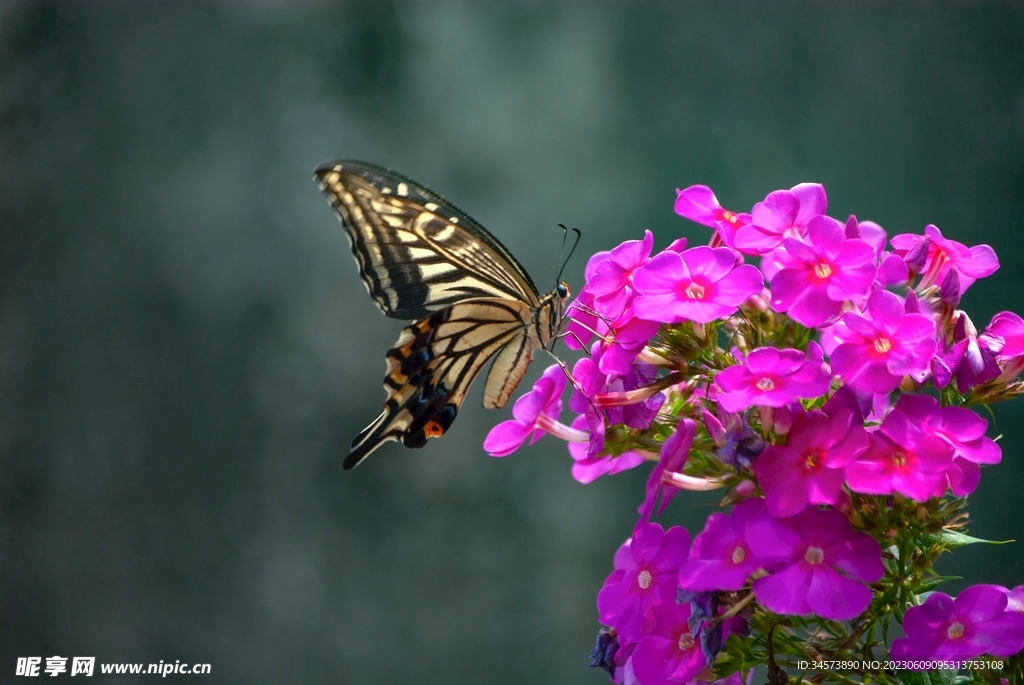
[417, 253]
[422, 257]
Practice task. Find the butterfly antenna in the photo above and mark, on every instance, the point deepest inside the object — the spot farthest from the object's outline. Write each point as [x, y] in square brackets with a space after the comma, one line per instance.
[576, 242]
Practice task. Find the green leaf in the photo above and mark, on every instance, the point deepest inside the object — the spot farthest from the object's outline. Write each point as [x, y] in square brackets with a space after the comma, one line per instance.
[929, 584]
[939, 677]
[953, 540]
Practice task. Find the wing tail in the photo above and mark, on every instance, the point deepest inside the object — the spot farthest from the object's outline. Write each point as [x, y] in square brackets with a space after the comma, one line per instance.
[368, 440]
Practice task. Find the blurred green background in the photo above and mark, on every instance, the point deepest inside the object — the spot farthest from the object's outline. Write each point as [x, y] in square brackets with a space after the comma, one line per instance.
[186, 348]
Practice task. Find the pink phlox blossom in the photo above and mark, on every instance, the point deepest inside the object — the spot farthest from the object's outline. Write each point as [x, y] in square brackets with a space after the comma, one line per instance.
[697, 203]
[636, 414]
[970, 359]
[905, 456]
[581, 312]
[818, 275]
[720, 558]
[612, 279]
[783, 214]
[668, 653]
[604, 305]
[701, 284]
[976, 622]
[647, 579]
[674, 452]
[877, 348]
[589, 381]
[811, 467]
[963, 430]
[589, 463]
[771, 377]
[1005, 336]
[536, 413]
[622, 342]
[892, 269]
[960, 427]
[587, 468]
[824, 564]
[943, 254]
[1015, 599]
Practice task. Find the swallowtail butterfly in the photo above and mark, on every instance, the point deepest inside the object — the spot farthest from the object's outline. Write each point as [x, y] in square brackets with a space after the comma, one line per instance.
[421, 257]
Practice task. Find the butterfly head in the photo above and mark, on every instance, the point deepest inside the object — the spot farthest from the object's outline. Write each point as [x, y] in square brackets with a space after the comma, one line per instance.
[563, 290]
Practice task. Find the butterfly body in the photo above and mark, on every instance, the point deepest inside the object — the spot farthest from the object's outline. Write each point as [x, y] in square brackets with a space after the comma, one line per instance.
[421, 257]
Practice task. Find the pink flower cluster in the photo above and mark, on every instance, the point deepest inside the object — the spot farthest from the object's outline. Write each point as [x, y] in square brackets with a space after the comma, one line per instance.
[839, 369]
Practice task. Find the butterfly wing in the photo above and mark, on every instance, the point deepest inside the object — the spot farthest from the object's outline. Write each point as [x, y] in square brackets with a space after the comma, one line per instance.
[417, 253]
[434, 362]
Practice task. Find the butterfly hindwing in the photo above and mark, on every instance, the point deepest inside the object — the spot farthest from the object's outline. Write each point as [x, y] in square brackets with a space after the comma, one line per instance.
[434, 362]
[417, 252]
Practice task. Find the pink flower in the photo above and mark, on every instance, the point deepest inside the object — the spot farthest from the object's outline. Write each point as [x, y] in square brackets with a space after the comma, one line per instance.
[646, 579]
[904, 456]
[970, 359]
[773, 378]
[668, 654]
[875, 353]
[535, 412]
[974, 623]
[587, 468]
[783, 214]
[811, 467]
[720, 558]
[698, 203]
[674, 453]
[824, 564]
[961, 429]
[607, 297]
[622, 342]
[612, 279]
[819, 275]
[699, 285]
[942, 255]
[1007, 328]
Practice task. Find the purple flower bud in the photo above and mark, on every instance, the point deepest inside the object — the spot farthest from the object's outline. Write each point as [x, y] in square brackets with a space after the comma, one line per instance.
[852, 228]
[603, 654]
[949, 291]
[917, 256]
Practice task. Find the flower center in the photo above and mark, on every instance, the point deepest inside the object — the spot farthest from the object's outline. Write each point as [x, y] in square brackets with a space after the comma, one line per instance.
[643, 579]
[822, 271]
[814, 555]
[766, 384]
[738, 555]
[882, 345]
[729, 216]
[695, 291]
[813, 459]
[686, 641]
[956, 630]
[899, 459]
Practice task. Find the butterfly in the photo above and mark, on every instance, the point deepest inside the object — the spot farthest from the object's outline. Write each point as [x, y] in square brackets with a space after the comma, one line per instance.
[421, 257]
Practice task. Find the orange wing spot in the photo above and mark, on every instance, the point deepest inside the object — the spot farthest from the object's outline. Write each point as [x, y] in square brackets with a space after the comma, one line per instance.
[423, 326]
[433, 429]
